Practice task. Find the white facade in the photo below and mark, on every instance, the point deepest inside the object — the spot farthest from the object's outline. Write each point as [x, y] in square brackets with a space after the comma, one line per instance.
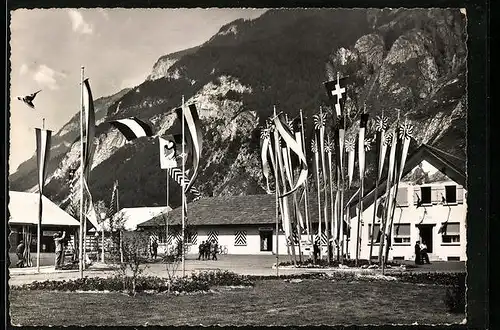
[236, 239]
[442, 201]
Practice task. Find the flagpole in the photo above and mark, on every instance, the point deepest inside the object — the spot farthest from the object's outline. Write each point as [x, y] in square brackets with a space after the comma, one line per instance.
[120, 228]
[80, 243]
[40, 211]
[166, 218]
[276, 189]
[332, 225]
[183, 193]
[309, 225]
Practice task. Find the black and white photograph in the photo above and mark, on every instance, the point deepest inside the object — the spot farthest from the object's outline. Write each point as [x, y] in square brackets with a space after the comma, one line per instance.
[238, 166]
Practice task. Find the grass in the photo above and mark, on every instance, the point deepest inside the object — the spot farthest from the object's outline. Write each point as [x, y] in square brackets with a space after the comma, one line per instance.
[270, 302]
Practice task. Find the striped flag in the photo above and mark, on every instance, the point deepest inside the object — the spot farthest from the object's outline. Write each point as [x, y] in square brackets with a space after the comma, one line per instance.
[265, 140]
[176, 174]
[43, 143]
[88, 108]
[193, 129]
[169, 154]
[132, 128]
[289, 140]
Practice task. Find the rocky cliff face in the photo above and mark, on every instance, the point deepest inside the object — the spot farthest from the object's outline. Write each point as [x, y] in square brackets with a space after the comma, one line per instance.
[409, 60]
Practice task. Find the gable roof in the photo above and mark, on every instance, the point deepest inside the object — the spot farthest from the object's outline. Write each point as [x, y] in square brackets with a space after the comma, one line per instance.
[233, 210]
[451, 166]
[23, 209]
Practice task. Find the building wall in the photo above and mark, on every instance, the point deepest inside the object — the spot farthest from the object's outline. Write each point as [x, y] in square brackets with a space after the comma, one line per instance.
[248, 242]
[408, 213]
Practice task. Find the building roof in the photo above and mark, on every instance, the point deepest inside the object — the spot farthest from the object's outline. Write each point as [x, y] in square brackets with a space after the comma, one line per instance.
[134, 216]
[23, 209]
[451, 166]
[233, 210]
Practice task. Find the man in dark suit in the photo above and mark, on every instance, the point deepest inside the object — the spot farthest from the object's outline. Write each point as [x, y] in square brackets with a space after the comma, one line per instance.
[418, 260]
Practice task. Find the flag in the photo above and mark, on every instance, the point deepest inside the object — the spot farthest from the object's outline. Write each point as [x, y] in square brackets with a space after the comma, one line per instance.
[442, 229]
[405, 134]
[337, 93]
[350, 147]
[90, 212]
[88, 108]
[169, 154]
[43, 144]
[381, 145]
[193, 130]
[361, 145]
[176, 174]
[290, 142]
[113, 204]
[28, 99]
[132, 128]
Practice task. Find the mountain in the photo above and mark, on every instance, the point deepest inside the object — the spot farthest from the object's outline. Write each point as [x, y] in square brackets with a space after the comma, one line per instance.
[411, 60]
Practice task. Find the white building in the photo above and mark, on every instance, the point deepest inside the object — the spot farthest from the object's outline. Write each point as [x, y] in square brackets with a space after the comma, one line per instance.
[431, 196]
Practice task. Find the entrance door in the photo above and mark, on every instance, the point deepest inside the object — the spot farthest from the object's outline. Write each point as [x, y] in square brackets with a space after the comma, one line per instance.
[426, 236]
[266, 240]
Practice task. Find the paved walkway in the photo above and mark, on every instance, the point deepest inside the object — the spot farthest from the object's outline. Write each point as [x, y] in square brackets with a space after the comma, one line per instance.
[245, 264]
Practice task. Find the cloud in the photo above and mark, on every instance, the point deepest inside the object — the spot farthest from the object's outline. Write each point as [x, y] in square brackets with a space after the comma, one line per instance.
[79, 25]
[23, 69]
[133, 82]
[47, 77]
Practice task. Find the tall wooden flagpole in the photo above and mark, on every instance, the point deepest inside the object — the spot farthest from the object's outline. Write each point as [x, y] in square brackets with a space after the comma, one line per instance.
[308, 220]
[183, 194]
[166, 217]
[276, 189]
[80, 257]
[40, 214]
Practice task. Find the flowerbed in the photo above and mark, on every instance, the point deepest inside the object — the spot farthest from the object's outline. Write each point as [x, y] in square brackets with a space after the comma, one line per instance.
[197, 282]
[309, 263]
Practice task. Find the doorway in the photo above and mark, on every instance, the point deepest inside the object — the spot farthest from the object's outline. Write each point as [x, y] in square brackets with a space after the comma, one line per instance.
[425, 233]
[266, 240]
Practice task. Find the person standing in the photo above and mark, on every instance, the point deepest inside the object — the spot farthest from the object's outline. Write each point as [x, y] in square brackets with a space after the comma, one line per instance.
[201, 251]
[423, 252]
[214, 251]
[418, 258]
[154, 249]
[58, 240]
[20, 254]
[316, 251]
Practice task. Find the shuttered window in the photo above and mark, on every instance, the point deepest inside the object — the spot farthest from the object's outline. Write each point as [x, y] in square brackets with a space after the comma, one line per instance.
[402, 233]
[460, 195]
[451, 233]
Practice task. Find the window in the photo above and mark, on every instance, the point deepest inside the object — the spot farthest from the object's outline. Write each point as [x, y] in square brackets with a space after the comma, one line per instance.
[402, 233]
[451, 233]
[426, 195]
[240, 238]
[376, 233]
[451, 194]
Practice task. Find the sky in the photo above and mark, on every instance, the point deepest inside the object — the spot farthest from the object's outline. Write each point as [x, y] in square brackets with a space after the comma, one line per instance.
[117, 47]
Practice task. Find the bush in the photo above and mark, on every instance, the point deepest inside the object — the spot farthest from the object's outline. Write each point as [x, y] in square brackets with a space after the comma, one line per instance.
[455, 297]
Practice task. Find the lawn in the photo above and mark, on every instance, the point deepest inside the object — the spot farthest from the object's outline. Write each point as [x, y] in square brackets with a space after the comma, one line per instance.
[270, 302]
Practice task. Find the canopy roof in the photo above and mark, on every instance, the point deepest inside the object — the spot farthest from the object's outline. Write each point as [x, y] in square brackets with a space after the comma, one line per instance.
[23, 209]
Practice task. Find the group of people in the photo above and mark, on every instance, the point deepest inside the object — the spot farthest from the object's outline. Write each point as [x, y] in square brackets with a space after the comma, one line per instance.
[421, 256]
[208, 250]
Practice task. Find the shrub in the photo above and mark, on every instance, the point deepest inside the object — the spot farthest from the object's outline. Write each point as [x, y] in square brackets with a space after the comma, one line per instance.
[322, 263]
[455, 297]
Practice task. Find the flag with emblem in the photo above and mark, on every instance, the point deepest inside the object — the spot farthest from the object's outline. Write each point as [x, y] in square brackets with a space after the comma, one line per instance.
[350, 148]
[170, 156]
[381, 144]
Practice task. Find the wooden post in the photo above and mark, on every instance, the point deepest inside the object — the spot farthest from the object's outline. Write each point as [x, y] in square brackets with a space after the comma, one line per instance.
[80, 242]
[183, 195]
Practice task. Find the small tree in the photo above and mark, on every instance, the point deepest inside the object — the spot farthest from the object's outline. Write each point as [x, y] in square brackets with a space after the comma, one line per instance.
[134, 249]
